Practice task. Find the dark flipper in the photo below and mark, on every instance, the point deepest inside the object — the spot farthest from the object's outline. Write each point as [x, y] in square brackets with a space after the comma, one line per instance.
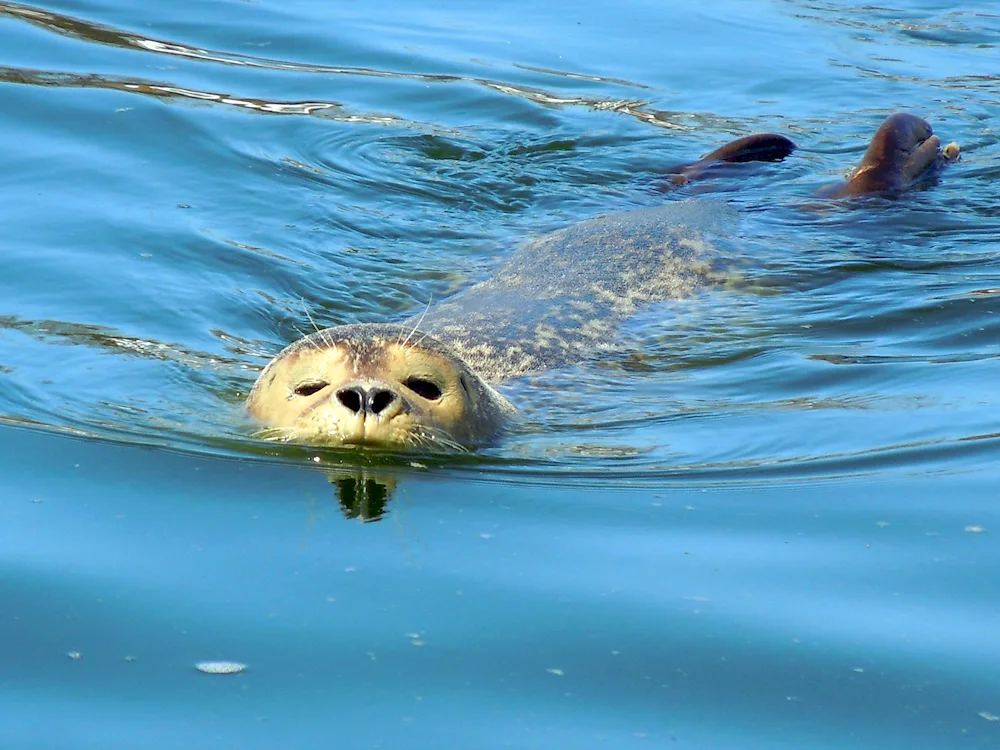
[757, 147]
[903, 150]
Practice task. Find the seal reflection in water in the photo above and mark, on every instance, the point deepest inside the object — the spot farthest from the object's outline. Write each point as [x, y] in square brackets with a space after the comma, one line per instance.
[559, 300]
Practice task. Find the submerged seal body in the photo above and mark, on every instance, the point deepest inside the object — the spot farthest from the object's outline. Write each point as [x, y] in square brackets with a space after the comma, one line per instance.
[559, 300]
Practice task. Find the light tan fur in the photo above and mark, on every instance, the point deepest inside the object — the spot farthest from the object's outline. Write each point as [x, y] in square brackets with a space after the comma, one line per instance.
[297, 394]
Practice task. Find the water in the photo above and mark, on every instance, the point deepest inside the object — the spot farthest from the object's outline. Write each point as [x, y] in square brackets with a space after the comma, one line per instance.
[768, 522]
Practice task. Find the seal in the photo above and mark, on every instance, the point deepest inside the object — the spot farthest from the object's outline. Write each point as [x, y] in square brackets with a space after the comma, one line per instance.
[428, 383]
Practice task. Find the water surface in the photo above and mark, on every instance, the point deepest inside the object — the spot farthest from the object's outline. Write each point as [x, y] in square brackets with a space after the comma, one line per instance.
[766, 522]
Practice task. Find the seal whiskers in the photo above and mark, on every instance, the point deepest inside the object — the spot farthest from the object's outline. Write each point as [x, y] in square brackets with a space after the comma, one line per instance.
[417, 324]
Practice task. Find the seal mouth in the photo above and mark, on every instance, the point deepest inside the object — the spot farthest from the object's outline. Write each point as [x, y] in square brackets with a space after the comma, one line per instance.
[419, 441]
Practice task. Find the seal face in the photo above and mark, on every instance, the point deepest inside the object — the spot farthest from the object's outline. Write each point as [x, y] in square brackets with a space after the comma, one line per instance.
[373, 384]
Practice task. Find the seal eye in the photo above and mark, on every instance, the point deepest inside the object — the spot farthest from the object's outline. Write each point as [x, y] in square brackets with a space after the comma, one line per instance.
[423, 388]
[308, 389]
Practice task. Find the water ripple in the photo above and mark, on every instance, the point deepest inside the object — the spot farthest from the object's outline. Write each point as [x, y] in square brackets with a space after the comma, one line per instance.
[86, 31]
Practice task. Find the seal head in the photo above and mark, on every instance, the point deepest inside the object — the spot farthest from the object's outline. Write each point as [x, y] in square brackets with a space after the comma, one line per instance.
[381, 385]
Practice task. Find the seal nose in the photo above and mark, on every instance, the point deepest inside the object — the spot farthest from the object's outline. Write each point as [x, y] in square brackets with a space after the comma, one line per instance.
[374, 400]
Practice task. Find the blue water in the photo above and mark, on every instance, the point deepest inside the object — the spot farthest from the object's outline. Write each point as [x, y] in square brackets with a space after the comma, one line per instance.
[768, 522]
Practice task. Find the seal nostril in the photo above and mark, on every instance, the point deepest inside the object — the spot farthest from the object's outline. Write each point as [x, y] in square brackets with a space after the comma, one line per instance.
[352, 398]
[380, 400]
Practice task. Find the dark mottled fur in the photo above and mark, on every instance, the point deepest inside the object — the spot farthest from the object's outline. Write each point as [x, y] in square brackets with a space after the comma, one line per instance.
[561, 298]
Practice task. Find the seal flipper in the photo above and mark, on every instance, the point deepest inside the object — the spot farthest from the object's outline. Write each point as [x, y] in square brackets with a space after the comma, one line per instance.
[903, 150]
[756, 147]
